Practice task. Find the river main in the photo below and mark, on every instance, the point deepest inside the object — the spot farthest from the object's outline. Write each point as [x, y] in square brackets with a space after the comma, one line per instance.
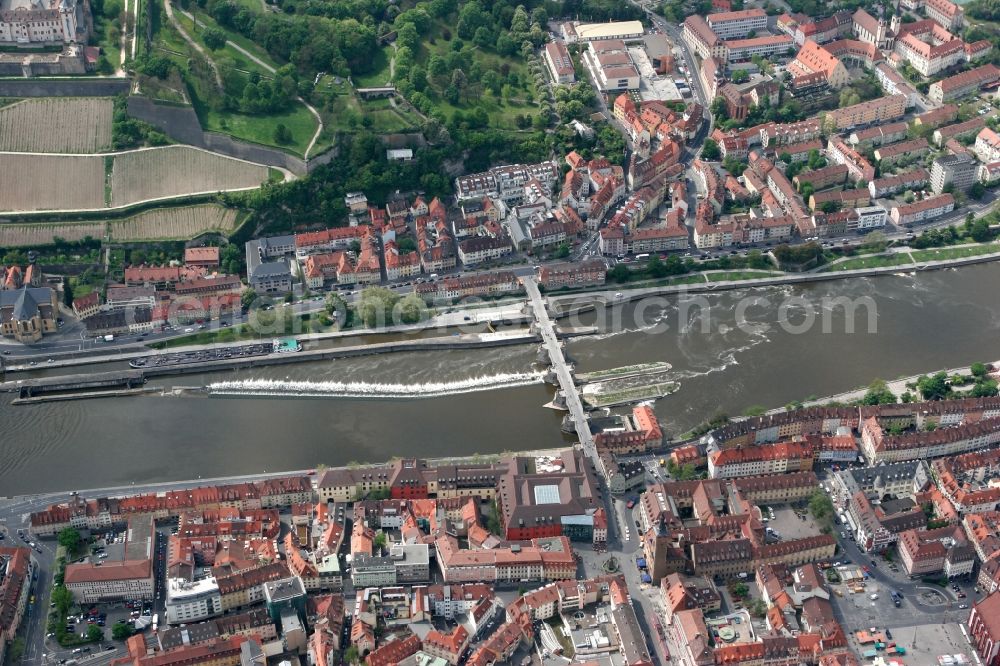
[488, 401]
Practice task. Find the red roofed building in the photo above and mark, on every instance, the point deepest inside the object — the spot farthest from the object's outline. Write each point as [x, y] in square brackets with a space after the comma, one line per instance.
[394, 652]
[813, 58]
[963, 84]
[339, 238]
[946, 13]
[206, 257]
[984, 629]
[321, 268]
[163, 277]
[220, 652]
[15, 588]
[754, 460]
[88, 305]
[448, 646]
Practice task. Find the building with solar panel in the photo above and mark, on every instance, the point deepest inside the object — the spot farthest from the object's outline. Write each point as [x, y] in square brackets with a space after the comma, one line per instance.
[549, 496]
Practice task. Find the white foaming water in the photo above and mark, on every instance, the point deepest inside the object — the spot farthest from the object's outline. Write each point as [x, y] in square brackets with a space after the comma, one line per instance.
[333, 389]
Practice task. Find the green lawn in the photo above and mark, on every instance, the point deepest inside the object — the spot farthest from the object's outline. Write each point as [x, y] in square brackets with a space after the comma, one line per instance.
[875, 261]
[110, 46]
[260, 129]
[386, 119]
[940, 254]
[379, 76]
[730, 276]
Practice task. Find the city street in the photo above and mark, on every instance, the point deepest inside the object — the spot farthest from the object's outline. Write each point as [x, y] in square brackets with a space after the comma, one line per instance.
[921, 603]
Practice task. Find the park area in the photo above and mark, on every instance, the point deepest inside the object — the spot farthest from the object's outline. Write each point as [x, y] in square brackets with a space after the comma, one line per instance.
[173, 171]
[51, 182]
[56, 125]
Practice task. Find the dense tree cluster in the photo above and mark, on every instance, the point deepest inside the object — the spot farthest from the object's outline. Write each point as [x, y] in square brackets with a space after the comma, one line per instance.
[127, 132]
[798, 256]
[987, 10]
[330, 37]
[362, 166]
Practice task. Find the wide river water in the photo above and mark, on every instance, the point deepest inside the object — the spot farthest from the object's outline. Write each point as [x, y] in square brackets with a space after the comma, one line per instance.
[487, 401]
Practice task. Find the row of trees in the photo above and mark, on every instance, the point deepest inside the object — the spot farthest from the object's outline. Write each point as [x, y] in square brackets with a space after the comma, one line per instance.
[938, 386]
[656, 268]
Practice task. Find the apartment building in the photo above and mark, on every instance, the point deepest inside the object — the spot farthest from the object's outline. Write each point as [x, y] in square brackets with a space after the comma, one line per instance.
[892, 153]
[882, 447]
[889, 185]
[879, 110]
[734, 25]
[701, 39]
[987, 146]
[192, 601]
[833, 174]
[586, 274]
[739, 50]
[870, 217]
[755, 460]
[959, 131]
[559, 63]
[926, 209]
[965, 83]
[658, 239]
[879, 135]
[893, 83]
[943, 550]
[480, 249]
[505, 182]
[16, 570]
[958, 171]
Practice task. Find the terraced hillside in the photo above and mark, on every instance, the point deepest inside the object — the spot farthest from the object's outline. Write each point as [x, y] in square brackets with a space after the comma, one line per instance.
[173, 171]
[57, 125]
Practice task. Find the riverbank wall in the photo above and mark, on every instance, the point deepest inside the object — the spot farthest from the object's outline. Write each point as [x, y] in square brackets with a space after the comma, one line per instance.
[635, 293]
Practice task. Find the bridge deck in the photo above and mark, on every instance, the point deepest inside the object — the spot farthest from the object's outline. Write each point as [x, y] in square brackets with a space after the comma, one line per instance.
[560, 367]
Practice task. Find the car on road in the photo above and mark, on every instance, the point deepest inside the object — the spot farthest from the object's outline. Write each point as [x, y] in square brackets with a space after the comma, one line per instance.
[963, 606]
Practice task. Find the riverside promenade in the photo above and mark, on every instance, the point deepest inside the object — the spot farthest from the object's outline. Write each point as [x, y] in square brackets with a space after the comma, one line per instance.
[632, 292]
[897, 386]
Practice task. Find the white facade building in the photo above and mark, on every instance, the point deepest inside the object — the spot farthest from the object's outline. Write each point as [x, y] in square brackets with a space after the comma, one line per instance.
[189, 601]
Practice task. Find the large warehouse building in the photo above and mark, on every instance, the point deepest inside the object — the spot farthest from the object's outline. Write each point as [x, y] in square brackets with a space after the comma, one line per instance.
[588, 32]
